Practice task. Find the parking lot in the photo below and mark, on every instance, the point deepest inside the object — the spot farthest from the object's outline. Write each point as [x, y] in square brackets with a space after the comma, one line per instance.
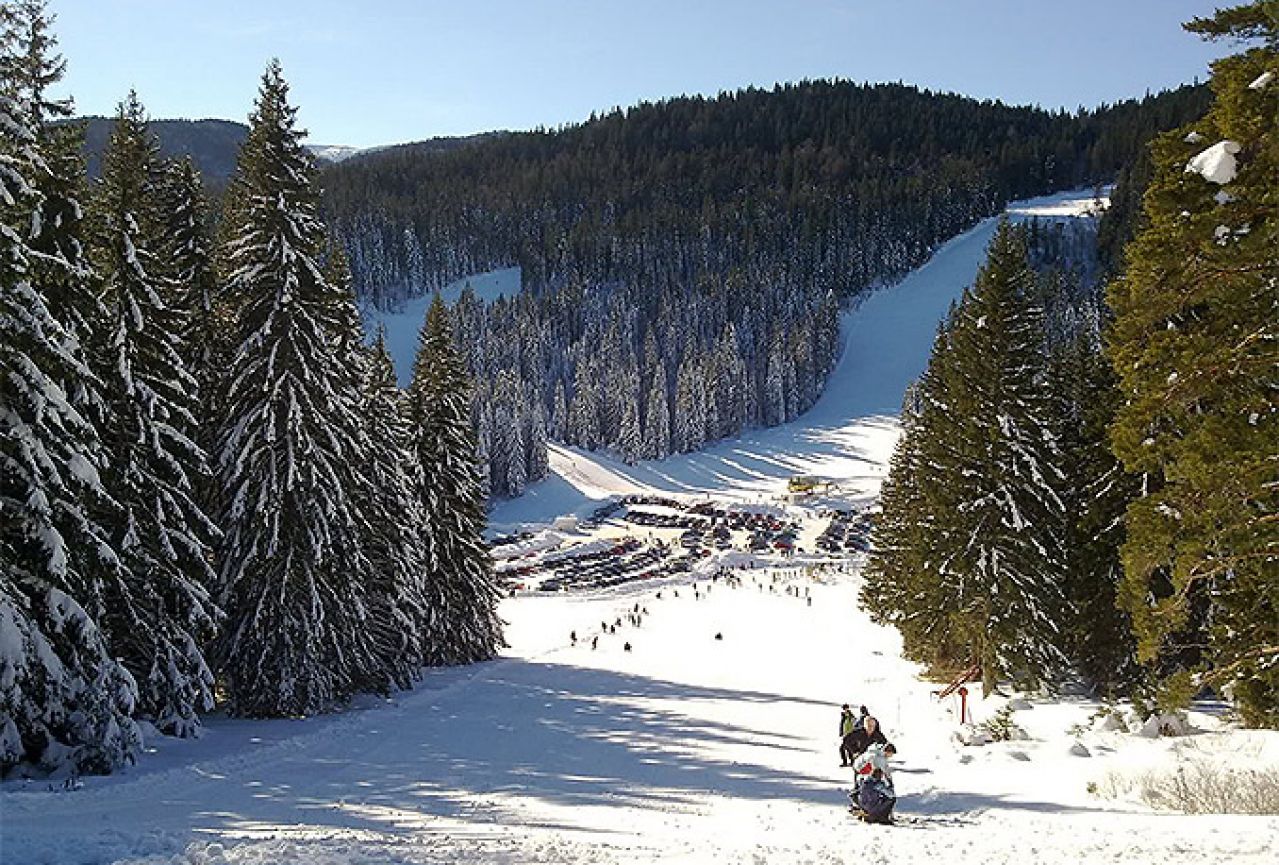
[644, 537]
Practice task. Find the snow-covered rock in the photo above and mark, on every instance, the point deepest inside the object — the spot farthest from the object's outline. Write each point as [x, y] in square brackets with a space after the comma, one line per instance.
[970, 735]
[1217, 164]
[1112, 722]
[1164, 725]
[1193, 137]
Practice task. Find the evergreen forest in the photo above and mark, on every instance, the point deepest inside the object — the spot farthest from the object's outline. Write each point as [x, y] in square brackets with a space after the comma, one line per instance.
[1086, 485]
[211, 491]
[684, 262]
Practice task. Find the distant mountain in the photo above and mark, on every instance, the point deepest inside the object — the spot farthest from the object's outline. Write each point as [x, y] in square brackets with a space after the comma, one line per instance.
[214, 145]
[333, 152]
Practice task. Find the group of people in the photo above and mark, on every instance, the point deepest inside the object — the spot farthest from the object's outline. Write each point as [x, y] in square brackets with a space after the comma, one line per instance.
[864, 747]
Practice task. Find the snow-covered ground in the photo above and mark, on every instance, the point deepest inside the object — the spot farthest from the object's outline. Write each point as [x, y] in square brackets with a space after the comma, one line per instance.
[685, 749]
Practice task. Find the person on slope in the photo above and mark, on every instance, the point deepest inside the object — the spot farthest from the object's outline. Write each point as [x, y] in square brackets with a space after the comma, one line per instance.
[865, 736]
[846, 725]
[873, 791]
[862, 714]
[874, 758]
[876, 798]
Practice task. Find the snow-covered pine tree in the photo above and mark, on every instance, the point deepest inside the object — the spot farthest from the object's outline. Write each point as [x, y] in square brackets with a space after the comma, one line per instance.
[1009, 513]
[973, 522]
[689, 416]
[462, 591]
[657, 421]
[1194, 344]
[584, 409]
[1095, 492]
[508, 452]
[293, 569]
[396, 544]
[629, 442]
[159, 626]
[65, 702]
[535, 443]
[559, 412]
[187, 257]
[29, 67]
[774, 401]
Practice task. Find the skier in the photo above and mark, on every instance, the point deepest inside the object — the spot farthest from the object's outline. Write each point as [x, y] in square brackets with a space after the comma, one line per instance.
[862, 714]
[572, 635]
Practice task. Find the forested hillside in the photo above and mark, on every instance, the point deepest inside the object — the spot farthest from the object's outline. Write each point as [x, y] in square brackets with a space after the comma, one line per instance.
[685, 260]
[211, 144]
[1086, 480]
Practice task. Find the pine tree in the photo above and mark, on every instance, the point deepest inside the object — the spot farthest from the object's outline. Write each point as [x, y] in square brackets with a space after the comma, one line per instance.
[162, 622]
[462, 591]
[29, 66]
[657, 421]
[982, 567]
[294, 572]
[537, 458]
[1095, 493]
[397, 542]
[65, 702]
[508, 453]
[187, 258]
[1008, 469]
[1194, 345]
[559, 413]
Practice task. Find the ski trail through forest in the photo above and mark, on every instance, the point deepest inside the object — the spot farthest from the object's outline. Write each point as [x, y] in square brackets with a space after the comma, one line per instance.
[686, 748]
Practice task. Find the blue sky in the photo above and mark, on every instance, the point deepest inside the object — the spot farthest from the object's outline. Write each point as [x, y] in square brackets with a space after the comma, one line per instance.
[371, 72]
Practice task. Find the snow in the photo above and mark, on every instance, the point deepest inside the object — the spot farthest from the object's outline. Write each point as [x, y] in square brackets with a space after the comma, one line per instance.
[1217, 164]
[1261, 81]
[403, 325]
[687, 749]
[334, 152]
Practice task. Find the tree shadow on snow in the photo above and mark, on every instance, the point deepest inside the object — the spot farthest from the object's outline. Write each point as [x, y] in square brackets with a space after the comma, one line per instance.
[565, 736]
[935, 803]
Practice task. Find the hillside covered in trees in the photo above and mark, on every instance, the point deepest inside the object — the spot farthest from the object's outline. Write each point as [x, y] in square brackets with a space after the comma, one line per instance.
[684, 261]
[1095, 494]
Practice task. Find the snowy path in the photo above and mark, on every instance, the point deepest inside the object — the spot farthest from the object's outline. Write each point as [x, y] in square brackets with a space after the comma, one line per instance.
[687, 749]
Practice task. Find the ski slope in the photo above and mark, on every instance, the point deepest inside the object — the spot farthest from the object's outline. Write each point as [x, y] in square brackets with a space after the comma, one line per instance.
[848, 434]
[685, 749]
[403, 325]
